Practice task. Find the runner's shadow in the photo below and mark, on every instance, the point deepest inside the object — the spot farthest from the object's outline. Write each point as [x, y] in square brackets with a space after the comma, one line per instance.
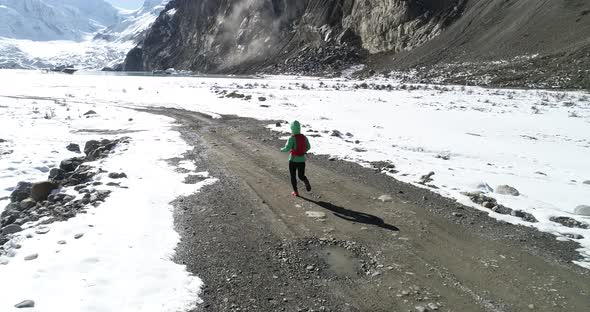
[353, 216]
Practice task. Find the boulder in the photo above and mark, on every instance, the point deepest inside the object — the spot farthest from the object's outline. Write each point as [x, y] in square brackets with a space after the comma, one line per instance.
[57, 174]
[115, 175]
[507, 190]
[25, 304]
[40, 191]
[489, 205]
[69, 165]
[91, 146]
[11, 229]
[73, 148]
[582, 210]
[569, 222]
[21, 192]
[336, 133]
[27, 204]
[8, 219]
[484, 187]
[90, 112]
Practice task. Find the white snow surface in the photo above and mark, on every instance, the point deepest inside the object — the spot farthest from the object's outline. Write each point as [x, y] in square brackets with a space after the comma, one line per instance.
[44, 20]
[88, 55]
[534, 140]
[123, 261]
[105, 44]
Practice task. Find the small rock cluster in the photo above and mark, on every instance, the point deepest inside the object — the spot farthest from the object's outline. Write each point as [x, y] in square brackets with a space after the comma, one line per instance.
[427, 178]
[569, 222]
[492, 204]
[30, 202]
[233, 95]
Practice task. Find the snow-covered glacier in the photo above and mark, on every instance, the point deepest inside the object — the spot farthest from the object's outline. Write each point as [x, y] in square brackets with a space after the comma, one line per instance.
[84, 34]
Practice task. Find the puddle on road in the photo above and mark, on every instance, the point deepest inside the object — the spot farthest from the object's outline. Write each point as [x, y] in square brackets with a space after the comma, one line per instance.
[341, 261]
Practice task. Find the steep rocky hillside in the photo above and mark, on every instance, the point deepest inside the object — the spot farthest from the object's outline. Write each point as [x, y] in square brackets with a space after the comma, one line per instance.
[311, 36]
[471, 41]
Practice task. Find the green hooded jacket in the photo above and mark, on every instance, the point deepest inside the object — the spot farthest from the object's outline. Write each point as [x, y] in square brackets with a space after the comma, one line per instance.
[295, 129]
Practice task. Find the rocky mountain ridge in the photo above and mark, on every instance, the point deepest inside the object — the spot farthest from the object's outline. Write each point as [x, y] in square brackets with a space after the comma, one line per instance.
[324, 37]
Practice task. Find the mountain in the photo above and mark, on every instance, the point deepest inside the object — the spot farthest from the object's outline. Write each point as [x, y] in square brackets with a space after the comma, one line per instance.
[133, 24]
[87, 34]
[468, 41]
[44, 20]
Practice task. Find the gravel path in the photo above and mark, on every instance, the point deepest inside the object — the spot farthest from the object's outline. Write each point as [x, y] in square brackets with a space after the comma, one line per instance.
[340, 248]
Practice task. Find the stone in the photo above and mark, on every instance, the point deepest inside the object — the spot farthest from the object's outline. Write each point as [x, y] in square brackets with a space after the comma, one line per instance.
[507, 190]
[458, 215]
[41, 191]
[421, 309]
[70, 165]
[336, 133]
[25, 304]
[278, 124]
[31, 257]
[484, 187]
[57, 174]
[21, 192]
[73, 148]
[582, 210]
[11, 229]
[569, 222]
[316, 214]
[262, 99]
[91, 146]
[385, 198]
[310, 268]
[433, 306]
[90, 112]
[78, 236]
[27, 204]
[42, 230]
[61, 242]
[115, 175]
[517, 213]
[587, 182]
[488, 205]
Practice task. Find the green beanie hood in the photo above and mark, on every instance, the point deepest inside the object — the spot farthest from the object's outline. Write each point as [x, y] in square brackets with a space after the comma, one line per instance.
[295, 127]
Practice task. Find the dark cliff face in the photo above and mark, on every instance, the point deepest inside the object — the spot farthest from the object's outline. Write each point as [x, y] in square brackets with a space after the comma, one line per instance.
[312, 36]
[547, 40]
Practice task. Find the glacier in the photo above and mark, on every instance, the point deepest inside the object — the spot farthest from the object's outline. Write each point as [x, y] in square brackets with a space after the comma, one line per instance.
[89, 35]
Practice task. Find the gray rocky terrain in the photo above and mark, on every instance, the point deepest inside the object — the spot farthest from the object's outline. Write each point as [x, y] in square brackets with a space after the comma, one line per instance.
[360, 241]
[517, 43]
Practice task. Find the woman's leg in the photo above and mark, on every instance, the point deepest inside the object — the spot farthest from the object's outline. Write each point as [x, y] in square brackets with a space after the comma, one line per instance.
[293, 172]
[303, 178]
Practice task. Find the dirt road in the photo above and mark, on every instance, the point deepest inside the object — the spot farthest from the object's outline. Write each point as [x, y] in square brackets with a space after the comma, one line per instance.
[339, 248]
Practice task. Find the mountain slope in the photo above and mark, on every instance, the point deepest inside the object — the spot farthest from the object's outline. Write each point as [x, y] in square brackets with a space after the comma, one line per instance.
[326, 36]
[230, 35]
[133, 24]
[44, 20]
[82, 46]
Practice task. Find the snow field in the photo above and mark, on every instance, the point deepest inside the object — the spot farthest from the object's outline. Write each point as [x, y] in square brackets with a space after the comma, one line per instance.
[534, 140]
[123, 261]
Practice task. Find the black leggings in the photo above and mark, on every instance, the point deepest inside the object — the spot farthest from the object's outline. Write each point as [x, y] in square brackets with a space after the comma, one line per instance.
[293, 168]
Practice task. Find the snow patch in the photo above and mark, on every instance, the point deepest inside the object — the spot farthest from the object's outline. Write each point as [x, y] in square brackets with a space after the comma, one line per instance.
[119, 256]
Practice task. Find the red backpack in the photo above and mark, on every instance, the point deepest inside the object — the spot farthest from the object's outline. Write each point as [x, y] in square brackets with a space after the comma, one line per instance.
[300, 146]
